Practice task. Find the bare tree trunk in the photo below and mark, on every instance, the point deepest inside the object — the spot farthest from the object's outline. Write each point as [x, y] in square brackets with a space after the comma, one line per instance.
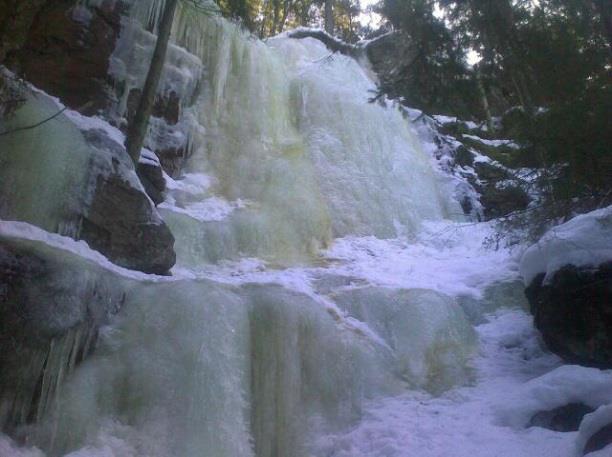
[137, 130]
[275, 17]
[329, 16]
[286, 11]
[485, 101]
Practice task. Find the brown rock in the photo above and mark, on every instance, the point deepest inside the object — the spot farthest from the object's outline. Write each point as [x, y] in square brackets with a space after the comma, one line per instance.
[67, 50]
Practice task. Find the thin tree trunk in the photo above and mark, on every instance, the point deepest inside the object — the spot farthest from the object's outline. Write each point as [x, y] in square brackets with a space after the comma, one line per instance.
[286, 10]
[329, 16]
[138, 128]
[485, 101]
[275, 17]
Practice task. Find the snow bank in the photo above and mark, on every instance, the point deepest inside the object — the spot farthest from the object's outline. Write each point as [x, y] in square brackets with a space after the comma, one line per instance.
[584, 241]
[493, 143]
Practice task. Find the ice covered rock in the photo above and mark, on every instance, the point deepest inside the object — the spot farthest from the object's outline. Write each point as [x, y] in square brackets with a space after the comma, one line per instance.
[71, 175]
[52, 304]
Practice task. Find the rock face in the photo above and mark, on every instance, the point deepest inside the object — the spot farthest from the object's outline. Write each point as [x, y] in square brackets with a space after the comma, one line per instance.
[66, 52]
[573, 311]
[52, 304]
[390, 53]
[16, 18]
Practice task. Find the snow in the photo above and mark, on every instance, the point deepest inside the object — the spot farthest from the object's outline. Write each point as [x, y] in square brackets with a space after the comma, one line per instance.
[207, 210]
[447, 257]
[445, 119]
[494, 143]
[584, 241]
[567, 384]
[9, 449]
[148, 157]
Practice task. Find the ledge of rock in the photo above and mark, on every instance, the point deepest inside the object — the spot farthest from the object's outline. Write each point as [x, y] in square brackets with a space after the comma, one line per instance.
[52, 303]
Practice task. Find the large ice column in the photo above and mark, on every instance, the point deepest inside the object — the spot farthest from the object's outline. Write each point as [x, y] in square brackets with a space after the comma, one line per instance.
[195, 366]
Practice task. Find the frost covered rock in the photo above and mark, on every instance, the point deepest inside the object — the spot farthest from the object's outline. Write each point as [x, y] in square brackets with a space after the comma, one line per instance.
[568, 275]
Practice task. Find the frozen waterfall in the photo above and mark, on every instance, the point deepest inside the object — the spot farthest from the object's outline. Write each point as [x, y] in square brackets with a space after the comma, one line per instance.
[322, 264]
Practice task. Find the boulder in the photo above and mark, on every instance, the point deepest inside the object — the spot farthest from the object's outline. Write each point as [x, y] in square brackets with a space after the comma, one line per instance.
[599, 440]
[573, 311]
[568, 279]
[121, 220]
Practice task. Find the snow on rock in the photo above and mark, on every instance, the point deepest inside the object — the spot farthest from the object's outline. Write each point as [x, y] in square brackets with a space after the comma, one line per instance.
[585, 241]
[565, 385]
[493, 143]
[592, 424]
[23, 232]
